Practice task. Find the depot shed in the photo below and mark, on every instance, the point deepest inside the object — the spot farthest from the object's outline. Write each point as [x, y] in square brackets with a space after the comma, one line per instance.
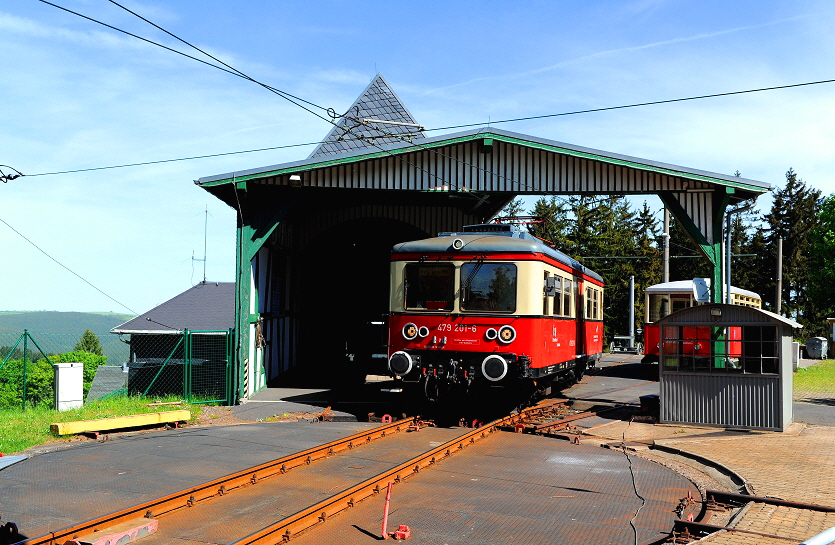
[726, 365]
[314, 236]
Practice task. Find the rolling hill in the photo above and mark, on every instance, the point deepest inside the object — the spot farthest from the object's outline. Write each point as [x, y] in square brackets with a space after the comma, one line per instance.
[56, 332]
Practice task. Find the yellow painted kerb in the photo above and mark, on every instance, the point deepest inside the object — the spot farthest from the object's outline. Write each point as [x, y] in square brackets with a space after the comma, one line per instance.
[81, 426]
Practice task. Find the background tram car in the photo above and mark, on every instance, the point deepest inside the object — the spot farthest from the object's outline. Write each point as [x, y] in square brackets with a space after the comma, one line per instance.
[668, 297]
[491, 306]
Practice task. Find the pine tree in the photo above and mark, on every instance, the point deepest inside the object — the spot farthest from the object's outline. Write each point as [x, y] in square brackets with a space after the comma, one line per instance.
[89, 342]
[554, 213]
[822, 264]
[794, 213]
[683, 266]
[648, 243]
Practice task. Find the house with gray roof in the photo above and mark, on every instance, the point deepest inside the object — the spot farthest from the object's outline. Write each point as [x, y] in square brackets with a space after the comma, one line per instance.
[159, 347]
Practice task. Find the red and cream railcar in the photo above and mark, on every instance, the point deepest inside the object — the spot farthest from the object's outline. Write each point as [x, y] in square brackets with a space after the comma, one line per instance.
[491, 306]
[668, 297]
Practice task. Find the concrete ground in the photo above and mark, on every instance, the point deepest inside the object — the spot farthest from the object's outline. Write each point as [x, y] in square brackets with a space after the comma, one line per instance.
[796, 465]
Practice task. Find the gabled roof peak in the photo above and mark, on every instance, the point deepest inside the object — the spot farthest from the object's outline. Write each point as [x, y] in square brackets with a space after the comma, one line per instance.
[377, 102]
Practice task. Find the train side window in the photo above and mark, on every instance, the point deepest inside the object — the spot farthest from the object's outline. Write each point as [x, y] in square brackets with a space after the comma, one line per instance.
[588, 304]
[567, 293]
[545, 295]
[488, 287]
[429, 286]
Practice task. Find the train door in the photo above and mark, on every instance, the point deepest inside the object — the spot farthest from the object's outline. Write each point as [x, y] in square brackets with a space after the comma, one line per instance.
[579, 318]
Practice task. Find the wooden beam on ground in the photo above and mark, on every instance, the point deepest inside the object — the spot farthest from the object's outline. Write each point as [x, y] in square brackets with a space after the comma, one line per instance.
[120, 422]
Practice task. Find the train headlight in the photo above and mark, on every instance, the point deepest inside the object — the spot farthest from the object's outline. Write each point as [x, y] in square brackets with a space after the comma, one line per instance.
[400, 363]
[410, 331]
[507, 334]
[423, 332]
[491, 333]
[494, 368]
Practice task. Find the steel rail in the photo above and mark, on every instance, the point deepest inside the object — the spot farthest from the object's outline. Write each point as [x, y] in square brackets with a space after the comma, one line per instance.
[217, 487]
[700, 530]
[284, 530]
[728, 497]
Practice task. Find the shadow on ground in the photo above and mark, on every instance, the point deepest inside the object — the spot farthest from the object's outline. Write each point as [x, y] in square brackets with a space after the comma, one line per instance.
[637, 371]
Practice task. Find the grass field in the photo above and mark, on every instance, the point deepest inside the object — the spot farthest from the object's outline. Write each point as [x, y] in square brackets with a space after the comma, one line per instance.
[816, 382]
[21, 429]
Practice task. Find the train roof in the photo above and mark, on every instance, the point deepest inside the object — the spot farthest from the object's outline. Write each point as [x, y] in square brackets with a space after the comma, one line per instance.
[686, 286]
[492, 239]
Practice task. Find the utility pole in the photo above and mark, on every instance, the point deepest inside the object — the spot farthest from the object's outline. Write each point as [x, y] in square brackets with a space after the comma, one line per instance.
[779, 298]
[631, 312]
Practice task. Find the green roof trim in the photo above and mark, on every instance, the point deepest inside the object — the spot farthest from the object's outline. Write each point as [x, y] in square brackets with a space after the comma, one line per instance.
[482, 136]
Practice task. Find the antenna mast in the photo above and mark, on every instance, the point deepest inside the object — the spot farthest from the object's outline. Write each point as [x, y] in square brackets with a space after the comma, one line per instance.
[205, 237]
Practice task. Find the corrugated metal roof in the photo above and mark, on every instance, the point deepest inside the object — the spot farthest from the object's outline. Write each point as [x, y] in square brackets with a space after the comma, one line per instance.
[518, 163]
[377, 101]
[686, 286]
[731, 314]
[204, 307]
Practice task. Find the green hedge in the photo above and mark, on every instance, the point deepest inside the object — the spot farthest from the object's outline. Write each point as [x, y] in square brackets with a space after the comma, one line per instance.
[40, 378]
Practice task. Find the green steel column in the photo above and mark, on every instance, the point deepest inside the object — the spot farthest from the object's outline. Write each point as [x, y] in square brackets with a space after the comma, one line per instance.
[710, 249]
[721, 199]
[258, 218]
[243, 286]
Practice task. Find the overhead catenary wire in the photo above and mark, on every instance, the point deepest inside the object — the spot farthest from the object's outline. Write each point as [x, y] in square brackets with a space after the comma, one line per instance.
[637, 104]
[65, 267]
[287, 96]
[270, 88]
[292, 98]
[348, 130]
[485, 124]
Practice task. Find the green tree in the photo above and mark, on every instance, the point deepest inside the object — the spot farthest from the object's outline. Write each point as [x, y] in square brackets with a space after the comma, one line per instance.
[686, 262]
[89, 342]
[648, 248]
[794, 213]
[90, 362]
[554, 213]
[822, 260]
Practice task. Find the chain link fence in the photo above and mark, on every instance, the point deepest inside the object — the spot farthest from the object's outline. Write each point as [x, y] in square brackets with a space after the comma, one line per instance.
[814, 379]
[191, 365]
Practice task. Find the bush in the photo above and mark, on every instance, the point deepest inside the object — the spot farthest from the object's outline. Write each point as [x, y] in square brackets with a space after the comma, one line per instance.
[39, 383]
[90, 361]
[40, 378]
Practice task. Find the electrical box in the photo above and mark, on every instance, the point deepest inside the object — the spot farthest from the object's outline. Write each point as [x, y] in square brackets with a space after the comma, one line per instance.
[69, 385]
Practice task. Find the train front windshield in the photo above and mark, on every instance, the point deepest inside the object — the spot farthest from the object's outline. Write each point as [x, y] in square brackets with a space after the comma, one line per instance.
[429, 286]
[488, 287]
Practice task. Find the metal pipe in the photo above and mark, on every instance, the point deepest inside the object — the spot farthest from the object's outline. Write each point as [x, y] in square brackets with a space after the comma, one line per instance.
[728, 259]
[386, 512]
[824, 538]
[665, 275]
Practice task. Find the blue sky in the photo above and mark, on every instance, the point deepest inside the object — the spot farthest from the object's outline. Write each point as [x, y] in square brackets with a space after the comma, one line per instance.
[76, 95]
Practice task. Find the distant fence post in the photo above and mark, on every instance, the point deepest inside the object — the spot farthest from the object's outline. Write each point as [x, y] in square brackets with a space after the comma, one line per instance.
[187, 365]
[25, 350]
